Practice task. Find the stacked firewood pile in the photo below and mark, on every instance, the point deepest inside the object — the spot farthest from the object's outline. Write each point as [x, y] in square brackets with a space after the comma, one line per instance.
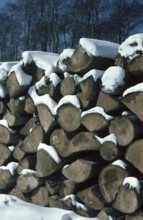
[71, 136]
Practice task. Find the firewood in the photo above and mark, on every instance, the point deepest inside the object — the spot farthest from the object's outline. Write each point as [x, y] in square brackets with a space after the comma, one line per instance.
[68, 117]
[68, 86]
[18, 154]
[5, 154]
[7, 135]
[55, 201]
[16, 105]
[68, 187]
[110, 178]
[46, 118]
[32, 140]
[128, 199]
[16, 192]
[134, 154]
[92, 197]
[126, 128]
[59, 140]
[135, 216]
[47, 164]
[84, 102]
[102, 215]
[29, 106]
[111, 104]
[53, 187]
[134, 101]
[27, 183]
[28, 162]
[29, 126]
[40, 196]
[2, 107]
[7, 178]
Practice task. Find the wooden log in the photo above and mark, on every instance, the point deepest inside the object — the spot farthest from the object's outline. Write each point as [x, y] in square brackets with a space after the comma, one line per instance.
[29, 106]
[27, 183]
[85, 104]
[111, 104]
[126, 128]
[68, 187]
[2, 107]
[46, 118]
[135, 216]
[110, 178]
[129, 197]
[68, 117]
[7, 135]
[68, 86]
[40, 196]
[134, 102]
[134, 154]
[94, 120]
[16, 192]
[55, 201]
[60, 141]
[92, 197]
[46, 163]
[28, 162]
[18, 154]
[29, 126]
[102, 215]
[5, 154]
[16, 105]
[7, 179]
[53, 187]
[32, 140]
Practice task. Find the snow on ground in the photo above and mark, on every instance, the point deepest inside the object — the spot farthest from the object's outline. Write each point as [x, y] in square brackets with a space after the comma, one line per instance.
[132, 46]
[13, 208]
[44, 60]
[99, 48]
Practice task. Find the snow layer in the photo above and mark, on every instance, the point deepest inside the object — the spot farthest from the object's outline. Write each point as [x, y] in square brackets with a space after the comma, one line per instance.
[13, 208]
[67, 53]
[3, 90]
[44, 60]
[120, 163]
[113, 78]
[96, 74]
[11, 167]
[99, 48]
[136, 88]
[98, 110]
[110, 137]
[27, 171]
[5, 68]
[131, 47]
[133, 182]
[75, 202]
[22, 78]
[72, 99]
[54, 78]
[51, 151]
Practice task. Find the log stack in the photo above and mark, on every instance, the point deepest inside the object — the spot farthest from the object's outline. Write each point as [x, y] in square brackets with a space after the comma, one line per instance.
[69, 138]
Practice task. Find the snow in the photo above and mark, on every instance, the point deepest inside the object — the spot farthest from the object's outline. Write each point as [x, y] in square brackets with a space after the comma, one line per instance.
[5, 67]
[133, 182]
[44, 60]
[67, 53]
[51, 151]
[44, 99]
[13, 208]
[5, 124]
[130, 47]
[22, 98]
[96, 74]
[3, 90]
[136, 88]
[98, 110]
[99, 48]
[75, 202]
[27, 171]
[11, 148]
[11, 167]
[72, 99]
[112, 78]
[22, 78]
[120, 163]
[110, 137]
[54, 78]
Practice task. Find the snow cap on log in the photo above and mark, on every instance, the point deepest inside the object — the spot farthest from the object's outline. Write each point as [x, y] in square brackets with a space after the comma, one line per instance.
[66, 54]
[132, 182]
[5, 68]
[11, 167]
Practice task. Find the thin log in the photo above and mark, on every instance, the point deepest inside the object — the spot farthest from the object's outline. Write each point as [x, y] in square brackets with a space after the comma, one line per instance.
[7, 136]
[27, 183]
[2, 107]
[68, 187]
[126, 128]
[85, 104]
[29, 106]
[135, 216]
[5, 154]
[7, 180]
[28, 162]
[16, 192]
[55, 201]
[53, 187]
[18, 154]
[102, 215]
[68, 86]
[40, 196]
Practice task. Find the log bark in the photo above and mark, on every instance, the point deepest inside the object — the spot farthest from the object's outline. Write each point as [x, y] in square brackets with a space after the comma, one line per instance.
[68, 117]
[126, 129]
[134, 103]
[28, 162]
[40, 196]
[32, 141]
[134, 154]
[46, 118]
[27, 183]
[68, 86]
[110, 178]
[5, 154]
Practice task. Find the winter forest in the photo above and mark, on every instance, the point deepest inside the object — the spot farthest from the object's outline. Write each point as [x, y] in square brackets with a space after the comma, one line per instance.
[52, 25]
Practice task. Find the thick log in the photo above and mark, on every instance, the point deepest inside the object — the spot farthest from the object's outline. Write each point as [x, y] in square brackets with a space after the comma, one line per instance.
[126, 128]
[68, 117]
[46, 118]
[68, 86]
[92, 197]
[16, 192]
[29, 106]
[134, 102]
[14, 89]
[111, 104]
[32, 140]
[46, 165]
[82, 142]
[134, 154]
[68, 187]
[5, 154]
[27, 183]
[128, 199]
[40, 196]
[110, 178]
[28, 162]
[16, 105]
[18, 154]
[59, 140]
